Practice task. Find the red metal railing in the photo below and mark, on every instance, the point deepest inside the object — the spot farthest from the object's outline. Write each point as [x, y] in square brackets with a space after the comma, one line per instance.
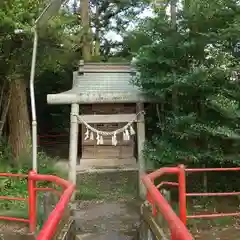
[49, 227]
[14, 199]
[213, 215]
[156, 198]
[177, 227]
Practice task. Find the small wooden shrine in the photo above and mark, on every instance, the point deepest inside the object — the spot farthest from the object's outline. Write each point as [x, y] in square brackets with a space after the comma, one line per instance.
[108, 114]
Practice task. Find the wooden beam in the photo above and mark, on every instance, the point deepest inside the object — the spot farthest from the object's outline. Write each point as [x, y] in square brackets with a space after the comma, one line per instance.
[140, 147]
[151, 223]
[111, 118]
[73, 145]
[103, 67]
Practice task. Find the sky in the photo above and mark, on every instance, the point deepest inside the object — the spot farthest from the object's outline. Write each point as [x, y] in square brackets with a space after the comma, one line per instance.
[111, 35]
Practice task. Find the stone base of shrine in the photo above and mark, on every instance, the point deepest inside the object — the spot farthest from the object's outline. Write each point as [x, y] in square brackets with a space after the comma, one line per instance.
[114, 164]
[104, 165]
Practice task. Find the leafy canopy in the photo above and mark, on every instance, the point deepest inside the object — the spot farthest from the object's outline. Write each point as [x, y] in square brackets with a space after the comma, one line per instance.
[16, 46]
[191, 70]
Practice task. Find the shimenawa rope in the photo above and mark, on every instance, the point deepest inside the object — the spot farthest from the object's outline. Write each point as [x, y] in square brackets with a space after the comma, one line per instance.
[127, 131]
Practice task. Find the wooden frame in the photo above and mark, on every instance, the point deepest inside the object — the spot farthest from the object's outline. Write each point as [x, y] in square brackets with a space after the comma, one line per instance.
[103, 67]
[140, 148]
[108, 118]
[151, 223]
[66, 227]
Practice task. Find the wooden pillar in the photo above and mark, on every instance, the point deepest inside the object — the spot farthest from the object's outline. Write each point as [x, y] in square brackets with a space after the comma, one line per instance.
[140, 146]
[73, 147]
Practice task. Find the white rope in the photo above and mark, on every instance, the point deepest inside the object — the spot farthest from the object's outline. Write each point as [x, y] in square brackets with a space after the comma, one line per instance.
[110, 133]
[127, 130]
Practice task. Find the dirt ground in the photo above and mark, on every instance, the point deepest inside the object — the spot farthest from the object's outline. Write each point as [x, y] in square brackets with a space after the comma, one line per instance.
[224, 228]
[114, 212]
[107, 208]
[97, 220]
[13, 227]
[103, 220]
[220, 233]
[14, 231]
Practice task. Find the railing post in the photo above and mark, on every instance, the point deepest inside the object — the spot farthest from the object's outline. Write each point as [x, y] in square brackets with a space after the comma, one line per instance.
[32, 202]
[182, 195]
[150, 200]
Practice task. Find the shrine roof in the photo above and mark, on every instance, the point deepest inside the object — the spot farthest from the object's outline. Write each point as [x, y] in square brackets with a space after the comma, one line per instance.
[101, 83]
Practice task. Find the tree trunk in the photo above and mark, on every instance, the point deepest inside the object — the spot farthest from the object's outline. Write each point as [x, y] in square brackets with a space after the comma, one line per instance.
[97, 33]
[86, 50]
[97, 45]
[18, 118]
[173, 10]
[5, 99]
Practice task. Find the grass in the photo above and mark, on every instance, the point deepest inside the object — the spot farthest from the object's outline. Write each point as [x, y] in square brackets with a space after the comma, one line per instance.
[107, 186]
[17, 187]
[209, 205]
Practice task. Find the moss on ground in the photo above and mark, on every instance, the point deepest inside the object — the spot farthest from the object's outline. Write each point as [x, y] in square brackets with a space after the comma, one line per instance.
[109, 186]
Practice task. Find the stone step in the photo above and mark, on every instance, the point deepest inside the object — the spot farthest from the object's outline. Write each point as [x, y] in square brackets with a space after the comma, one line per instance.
[87, 236]
[99, 236]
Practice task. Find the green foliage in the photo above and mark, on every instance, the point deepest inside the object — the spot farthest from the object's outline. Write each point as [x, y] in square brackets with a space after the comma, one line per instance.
[113, 16]
[17, 187]
[16, 57]
[53, 118]
[190, 71]
[56, 55]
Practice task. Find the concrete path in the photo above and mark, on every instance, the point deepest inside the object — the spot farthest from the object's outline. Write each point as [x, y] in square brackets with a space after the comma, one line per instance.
[107, 220]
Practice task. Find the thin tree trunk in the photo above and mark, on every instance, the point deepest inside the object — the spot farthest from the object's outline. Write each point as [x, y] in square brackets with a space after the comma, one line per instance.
[161, 117]
[205, 175]
[173, 9]
[97, 45]
[187, 4]
[18, 118]
[97, 34]
[86, 50]
[2, 93]
[3, 82]
[4, 105]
